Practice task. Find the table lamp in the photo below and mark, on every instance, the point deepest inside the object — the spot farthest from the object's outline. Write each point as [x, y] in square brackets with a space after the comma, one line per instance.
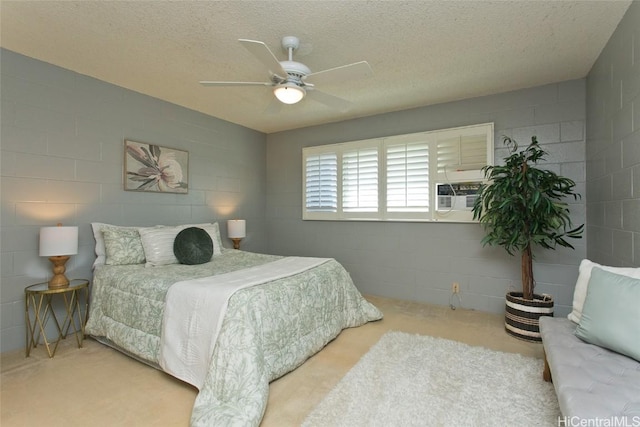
[58, 243]
[236, 229]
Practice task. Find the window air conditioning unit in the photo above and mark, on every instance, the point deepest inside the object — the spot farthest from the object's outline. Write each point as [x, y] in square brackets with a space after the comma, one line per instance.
[456, 196]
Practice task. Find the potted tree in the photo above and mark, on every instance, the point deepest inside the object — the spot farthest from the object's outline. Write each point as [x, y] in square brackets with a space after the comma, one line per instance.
[522, 207]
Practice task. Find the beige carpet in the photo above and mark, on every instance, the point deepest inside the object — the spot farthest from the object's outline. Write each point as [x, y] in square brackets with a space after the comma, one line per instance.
[98, 386]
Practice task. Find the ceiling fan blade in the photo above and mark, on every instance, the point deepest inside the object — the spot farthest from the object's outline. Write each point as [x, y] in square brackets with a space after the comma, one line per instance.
[329, 100]
[264, 54]
[274, 107]
[210, 83]
[356, 70]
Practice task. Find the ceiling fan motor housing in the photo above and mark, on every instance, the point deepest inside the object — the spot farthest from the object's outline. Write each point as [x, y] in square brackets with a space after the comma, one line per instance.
[296, 70]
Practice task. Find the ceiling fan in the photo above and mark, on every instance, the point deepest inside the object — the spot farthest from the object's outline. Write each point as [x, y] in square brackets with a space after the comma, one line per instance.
[292, 81]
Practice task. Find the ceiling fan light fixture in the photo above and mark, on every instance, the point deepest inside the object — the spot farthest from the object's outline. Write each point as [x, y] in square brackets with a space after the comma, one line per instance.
[289, 93]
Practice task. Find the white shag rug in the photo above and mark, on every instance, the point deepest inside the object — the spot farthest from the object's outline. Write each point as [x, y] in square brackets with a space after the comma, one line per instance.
[414, 380]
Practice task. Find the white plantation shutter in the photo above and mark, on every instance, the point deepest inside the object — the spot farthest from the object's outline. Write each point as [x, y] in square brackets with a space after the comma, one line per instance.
[360, 180]
[460, 153]
[473, 151]
[321, 189]
[408, 177]
[448, 154]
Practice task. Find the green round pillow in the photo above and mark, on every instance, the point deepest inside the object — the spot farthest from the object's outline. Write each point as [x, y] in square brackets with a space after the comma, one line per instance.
[193, 246]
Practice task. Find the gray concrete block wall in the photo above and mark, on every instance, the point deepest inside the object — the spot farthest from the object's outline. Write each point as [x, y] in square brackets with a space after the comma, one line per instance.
[419, 261]
[62, 159]
[613, 147]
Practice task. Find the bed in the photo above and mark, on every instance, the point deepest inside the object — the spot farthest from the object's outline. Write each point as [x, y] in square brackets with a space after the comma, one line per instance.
[265, 329]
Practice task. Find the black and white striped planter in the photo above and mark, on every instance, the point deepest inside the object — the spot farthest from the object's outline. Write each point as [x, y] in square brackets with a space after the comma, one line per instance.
[522, 316]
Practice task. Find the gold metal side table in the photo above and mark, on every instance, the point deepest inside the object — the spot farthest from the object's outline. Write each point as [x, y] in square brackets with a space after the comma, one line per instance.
[38, 312]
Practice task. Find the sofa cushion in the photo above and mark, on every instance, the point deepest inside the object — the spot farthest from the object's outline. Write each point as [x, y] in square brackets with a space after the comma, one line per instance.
[611, 313]
[582, 284]
[590, 381]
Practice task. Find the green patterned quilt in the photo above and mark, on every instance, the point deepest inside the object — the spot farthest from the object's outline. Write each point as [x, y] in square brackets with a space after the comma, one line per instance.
[268, 330]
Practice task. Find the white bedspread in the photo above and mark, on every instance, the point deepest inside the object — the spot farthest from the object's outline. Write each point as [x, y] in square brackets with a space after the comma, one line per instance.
[195, 309]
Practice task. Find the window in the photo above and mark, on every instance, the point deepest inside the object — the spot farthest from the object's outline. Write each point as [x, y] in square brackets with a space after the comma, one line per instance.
[415, 177]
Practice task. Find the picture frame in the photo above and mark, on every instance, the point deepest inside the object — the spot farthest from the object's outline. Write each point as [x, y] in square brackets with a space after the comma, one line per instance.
[153, 168]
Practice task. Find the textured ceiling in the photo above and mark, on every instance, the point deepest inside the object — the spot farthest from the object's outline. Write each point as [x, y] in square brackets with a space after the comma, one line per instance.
[421, 52]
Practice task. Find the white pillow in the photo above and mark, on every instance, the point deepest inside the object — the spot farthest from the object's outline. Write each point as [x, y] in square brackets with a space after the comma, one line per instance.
[158, 245]
[158, 242]
[100, 250]
[582, 284]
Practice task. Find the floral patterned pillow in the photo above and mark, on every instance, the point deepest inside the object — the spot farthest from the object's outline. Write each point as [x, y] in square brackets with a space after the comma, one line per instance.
[122, 246]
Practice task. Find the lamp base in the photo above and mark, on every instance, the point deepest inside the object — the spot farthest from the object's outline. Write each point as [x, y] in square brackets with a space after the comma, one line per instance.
[236, 243]
[59, 280]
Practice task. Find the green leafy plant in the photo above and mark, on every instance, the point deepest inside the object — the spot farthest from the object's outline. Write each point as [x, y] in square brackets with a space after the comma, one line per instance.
[522, 206]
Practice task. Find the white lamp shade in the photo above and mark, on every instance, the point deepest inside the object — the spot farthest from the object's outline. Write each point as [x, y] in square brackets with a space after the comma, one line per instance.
[289, 93]
[57, 241]
[236, 228]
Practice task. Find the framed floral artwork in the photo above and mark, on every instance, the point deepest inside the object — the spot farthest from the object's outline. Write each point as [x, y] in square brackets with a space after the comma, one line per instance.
[149, 167]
